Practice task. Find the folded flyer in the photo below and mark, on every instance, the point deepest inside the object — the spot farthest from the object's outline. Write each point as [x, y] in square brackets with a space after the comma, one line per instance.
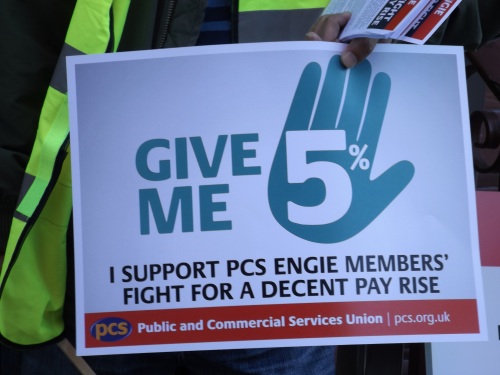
[412, 21]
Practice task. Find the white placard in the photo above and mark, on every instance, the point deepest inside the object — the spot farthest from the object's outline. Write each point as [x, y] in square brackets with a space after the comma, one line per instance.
[261, 195]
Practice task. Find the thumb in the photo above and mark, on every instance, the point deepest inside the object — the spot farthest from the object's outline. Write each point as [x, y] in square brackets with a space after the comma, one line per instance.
[357, 50]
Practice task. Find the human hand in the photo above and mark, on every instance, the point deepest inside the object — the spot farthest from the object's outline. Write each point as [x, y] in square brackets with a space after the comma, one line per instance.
[319, 183]
[328, 28]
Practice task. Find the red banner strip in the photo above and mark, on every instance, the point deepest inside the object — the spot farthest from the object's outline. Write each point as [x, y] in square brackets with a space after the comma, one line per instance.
[269, 322]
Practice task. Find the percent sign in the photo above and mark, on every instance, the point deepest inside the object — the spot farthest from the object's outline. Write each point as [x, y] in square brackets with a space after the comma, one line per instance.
[360, 161]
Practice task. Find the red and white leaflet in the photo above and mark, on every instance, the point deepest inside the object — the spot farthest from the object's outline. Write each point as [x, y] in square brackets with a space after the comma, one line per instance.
[429, 21]
[413, 21]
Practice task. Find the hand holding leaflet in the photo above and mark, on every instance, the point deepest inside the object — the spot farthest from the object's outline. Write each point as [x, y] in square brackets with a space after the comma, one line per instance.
[413, 21]
[319, 184]
[328, 28]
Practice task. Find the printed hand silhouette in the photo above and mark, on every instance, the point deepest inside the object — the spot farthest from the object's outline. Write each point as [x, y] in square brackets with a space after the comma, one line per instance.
[319, 184]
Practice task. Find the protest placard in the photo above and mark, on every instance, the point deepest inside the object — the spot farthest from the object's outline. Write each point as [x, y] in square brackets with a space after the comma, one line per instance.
[262, 195]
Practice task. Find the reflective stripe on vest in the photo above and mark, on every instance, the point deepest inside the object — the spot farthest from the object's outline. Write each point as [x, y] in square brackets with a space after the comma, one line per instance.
[276, 20]
[33, 278]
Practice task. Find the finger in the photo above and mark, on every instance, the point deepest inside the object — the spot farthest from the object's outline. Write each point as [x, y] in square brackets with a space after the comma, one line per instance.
[330, 98]
[328, 27]
[355, 99]
[389, 185]
[376, 196]
[357, 50]
[302, 105]
[375, 113]
[311, 35]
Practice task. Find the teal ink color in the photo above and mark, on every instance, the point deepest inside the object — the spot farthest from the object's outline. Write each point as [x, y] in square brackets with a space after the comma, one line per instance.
[208, 207]
[368, 198]
[141, 161]
[208, 169]
[239, 154]
[182, 200]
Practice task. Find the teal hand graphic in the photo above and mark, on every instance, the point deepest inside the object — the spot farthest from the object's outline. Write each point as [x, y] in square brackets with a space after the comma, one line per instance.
[319, 184]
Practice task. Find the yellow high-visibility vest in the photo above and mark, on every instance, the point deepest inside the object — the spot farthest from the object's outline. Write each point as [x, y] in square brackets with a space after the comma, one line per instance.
[33, 277]
[277, 20]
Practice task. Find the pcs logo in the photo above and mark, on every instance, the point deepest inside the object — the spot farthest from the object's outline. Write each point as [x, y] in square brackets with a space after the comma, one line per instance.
[110, 329]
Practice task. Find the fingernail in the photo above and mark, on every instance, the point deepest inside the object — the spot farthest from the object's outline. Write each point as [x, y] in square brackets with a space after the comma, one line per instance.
[312, 36]
[348, 59]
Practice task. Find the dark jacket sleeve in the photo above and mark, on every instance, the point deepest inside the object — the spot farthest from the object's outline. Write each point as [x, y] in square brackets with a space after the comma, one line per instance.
[162, 24]
[472, 24]
[31, 36]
